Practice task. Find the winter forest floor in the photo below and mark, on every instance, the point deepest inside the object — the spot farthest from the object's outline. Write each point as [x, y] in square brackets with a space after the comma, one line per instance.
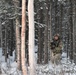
[65, 68]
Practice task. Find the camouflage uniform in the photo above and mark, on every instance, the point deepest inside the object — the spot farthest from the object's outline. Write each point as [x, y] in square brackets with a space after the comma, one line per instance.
[56, 51]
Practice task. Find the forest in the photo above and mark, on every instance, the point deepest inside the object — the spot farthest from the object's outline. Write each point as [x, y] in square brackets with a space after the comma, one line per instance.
[37, 37]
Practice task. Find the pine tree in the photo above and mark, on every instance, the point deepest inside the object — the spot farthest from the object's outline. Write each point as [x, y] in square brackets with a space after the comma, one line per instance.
[23, 59]
[31, 37]
[18, 39]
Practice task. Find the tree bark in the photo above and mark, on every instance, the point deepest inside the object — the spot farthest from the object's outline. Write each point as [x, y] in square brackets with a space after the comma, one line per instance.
[71, 30]
[31, 37]
[23, 59]
[46, 34]
[18, 39]
[40, 37]
[18, 44]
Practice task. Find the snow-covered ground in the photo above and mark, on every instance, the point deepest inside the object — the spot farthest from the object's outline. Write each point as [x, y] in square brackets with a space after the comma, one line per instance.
[9, 68]
[65, 68]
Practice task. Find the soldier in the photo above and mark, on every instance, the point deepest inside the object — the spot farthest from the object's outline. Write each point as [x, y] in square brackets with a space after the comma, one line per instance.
[56, 49]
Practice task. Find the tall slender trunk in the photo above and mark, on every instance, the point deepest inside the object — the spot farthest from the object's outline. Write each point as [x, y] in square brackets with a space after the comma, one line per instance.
[0, 33]
[46, 33]
[71, 30]
[18, 39]
[74, 30]
[5, 44]
[40, 37]
[23, 59]
[50, 30]
[18, 44]
[56, 17]
[11, 38]
[40, 45]
[31, 37]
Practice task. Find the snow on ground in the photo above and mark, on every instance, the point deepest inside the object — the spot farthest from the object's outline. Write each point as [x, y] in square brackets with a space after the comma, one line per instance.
[65, 68]
[9, 68]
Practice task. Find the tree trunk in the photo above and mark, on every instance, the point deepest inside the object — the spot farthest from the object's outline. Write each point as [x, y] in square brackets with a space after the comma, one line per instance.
[11, 38]
[50, 29]
[40, 45]
[46, 34]
[31, 37]
[23, 59]
[18, 39]
[0, 33]
[56, 17]
[5, 44]
[18, 44]
[71, 30]
[3, 40]
[74, 30]
[40, 37]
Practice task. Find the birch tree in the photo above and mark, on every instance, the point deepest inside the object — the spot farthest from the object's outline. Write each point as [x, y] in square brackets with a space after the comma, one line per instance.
[31, 36]
[23, 63]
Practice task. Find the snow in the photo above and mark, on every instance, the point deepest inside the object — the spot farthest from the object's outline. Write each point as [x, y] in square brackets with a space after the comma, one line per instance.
[65, 68]
[9, 68]
[61, 69]
[41, 7]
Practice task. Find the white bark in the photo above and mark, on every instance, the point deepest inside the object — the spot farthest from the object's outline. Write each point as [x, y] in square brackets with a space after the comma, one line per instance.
[31, 37]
